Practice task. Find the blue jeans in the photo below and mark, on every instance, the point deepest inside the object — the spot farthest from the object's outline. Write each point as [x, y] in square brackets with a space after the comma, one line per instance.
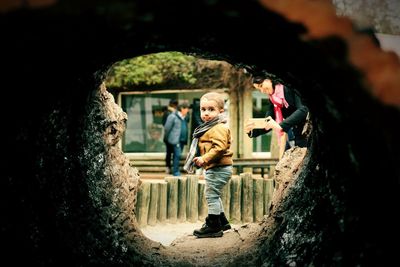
[216, 179]
[290, 141]
[177, 152]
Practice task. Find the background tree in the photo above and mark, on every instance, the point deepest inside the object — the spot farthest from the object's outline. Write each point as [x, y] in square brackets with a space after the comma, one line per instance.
[152, 69]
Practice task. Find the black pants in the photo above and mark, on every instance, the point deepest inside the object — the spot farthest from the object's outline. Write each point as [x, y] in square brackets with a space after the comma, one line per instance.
[170, 150]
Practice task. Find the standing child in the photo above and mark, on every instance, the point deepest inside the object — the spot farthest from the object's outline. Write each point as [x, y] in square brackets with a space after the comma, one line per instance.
[213, 141]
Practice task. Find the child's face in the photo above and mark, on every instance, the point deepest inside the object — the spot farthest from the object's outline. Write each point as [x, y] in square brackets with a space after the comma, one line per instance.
[209, 109]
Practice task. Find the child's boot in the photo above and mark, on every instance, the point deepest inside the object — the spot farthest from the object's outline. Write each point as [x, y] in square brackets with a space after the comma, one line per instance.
[224, 222]
[212, 227]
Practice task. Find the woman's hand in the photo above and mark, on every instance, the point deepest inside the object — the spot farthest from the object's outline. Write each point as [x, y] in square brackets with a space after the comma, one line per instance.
[198, 161]
[249, 126]
[272, 124]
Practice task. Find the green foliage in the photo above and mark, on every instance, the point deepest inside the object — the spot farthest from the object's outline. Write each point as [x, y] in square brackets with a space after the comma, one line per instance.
[152, 69]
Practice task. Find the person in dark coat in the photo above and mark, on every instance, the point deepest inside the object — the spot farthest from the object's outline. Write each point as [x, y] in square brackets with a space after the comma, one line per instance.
[176, 135]
[171, 108]
[173, 103]
[288, 115]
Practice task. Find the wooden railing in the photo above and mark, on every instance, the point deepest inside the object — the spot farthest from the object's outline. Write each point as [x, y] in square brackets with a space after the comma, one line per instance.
[263, 164]
[178, 199]
[158, 165]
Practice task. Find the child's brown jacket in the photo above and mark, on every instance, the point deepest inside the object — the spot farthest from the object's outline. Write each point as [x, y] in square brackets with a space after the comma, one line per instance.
[214, 146]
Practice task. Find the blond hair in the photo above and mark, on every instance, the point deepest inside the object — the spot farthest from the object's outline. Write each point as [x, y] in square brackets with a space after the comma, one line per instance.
[217, 97]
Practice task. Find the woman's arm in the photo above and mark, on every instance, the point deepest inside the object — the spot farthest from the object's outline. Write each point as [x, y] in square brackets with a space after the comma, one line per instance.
[257, 132]
[298, 116]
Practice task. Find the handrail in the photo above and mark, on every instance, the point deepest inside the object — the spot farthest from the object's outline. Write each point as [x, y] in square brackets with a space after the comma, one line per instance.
[255, 161]
[240, 163]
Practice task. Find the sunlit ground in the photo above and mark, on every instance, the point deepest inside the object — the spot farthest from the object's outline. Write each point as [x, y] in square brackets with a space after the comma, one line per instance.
[166, 233]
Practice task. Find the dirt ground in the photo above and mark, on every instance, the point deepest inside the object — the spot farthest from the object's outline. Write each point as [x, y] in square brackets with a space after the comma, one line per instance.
[181, 247]
[167, 233]
[173, 234]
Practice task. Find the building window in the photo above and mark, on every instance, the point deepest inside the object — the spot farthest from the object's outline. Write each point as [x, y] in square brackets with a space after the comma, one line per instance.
[144, 129]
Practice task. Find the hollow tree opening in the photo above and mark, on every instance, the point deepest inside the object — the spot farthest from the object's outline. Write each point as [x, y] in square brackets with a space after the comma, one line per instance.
[54, 217]
[143, 87]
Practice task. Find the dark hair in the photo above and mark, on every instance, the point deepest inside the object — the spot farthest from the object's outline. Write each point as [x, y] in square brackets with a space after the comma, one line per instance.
[173, 102]
[260, 77]
[182, 106]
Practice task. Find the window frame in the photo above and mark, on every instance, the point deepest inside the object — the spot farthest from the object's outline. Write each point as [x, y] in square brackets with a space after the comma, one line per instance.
[161, 155]
[259, 155]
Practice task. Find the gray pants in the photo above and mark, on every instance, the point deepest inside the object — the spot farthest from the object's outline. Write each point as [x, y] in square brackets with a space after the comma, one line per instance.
[216, 178]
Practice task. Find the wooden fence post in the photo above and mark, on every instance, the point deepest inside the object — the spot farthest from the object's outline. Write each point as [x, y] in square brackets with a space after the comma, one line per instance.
[258, 204]
[247, 197]
[172, 196]
[268, 194]
[143, 201]
[235, 199]
[162, 202]
[153, 205]
[182, 187]
[192, 212]
[226, 197]
[203, 207]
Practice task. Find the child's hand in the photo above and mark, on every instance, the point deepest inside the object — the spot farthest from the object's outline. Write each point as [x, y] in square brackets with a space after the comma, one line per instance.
[198, 161]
